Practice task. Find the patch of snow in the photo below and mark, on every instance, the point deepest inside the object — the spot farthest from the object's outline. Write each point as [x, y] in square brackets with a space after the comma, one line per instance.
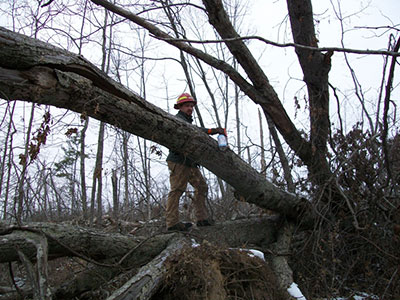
[195, 244]
[295, 292]
[257, 253]
[251, 252]
[359, 296]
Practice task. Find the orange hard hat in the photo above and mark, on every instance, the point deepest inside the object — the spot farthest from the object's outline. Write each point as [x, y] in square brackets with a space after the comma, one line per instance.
[185, 97]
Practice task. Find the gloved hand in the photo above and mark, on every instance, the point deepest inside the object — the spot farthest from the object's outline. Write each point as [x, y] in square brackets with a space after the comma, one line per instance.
[218, 130]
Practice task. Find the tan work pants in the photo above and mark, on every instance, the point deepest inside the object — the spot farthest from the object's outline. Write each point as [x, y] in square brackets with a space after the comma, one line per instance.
[179, 177]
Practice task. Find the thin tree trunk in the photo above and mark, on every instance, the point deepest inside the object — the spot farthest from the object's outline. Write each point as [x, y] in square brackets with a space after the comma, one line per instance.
[74, 202]
[44, 204]
[148, 187]
[99, 171]
[97, 176]
[237, 112]
[282, 157]
[93, 197]
[114, 180]
[146, 163]
[125, 139]
[125, 159]
[7, 190]
[20, 196]
[57, 196]
[82, 158]
[263, 162]
[5, 156]
[146, 173]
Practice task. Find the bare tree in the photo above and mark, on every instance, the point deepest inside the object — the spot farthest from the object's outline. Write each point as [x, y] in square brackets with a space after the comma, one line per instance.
[20, 196]
[97, 185]
[82, 157]
[262, 154]
[7, 156]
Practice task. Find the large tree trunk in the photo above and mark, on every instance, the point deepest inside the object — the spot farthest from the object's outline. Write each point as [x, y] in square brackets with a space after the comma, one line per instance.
[35, 71]
[96, 245]
[316, 67]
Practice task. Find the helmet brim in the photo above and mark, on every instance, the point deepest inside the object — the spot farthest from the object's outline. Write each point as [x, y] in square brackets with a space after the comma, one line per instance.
[177, 106]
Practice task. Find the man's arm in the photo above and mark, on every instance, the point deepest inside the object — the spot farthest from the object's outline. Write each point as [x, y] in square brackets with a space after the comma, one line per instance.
[218, 130]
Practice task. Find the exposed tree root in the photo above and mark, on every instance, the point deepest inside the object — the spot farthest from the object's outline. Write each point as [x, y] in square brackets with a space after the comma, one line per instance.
[209, 272]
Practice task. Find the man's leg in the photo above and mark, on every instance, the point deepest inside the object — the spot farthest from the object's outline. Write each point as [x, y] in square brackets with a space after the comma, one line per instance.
[200, 186]
[178, 179]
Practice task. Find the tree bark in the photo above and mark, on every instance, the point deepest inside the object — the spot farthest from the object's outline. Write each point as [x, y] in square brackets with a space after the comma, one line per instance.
[95, 245]
[114, 181]
[82, 169]
[263, 162]
[68, 240]
[282, 157]
[149, 278]
[34, 71]
[316, 67]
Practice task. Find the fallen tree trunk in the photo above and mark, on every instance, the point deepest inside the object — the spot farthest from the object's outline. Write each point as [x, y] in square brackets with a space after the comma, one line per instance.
[68, 240]
[34, 71]
[94, 245]
[148, 279]
[109, 254]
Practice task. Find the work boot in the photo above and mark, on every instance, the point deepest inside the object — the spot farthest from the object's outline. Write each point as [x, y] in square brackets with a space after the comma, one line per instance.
[181, 226]
[205, 222]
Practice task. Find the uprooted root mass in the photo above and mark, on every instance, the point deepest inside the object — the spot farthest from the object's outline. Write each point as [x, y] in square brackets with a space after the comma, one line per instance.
[208, 272]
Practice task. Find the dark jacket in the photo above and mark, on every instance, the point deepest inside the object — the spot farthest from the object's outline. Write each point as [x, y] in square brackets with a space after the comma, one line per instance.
[180, 158]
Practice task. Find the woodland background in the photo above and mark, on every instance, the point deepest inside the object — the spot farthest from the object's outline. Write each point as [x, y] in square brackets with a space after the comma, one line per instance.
[318, 123]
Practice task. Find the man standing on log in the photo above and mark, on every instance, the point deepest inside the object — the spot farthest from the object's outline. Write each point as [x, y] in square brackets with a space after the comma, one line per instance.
[183, 170]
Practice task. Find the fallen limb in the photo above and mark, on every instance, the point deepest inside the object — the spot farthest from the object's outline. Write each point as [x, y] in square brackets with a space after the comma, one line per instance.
[280, 252]
[148, 279]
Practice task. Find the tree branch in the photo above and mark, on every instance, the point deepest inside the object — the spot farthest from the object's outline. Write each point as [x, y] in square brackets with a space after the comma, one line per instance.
[261, 92]
[286, 45]
[386, 111]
